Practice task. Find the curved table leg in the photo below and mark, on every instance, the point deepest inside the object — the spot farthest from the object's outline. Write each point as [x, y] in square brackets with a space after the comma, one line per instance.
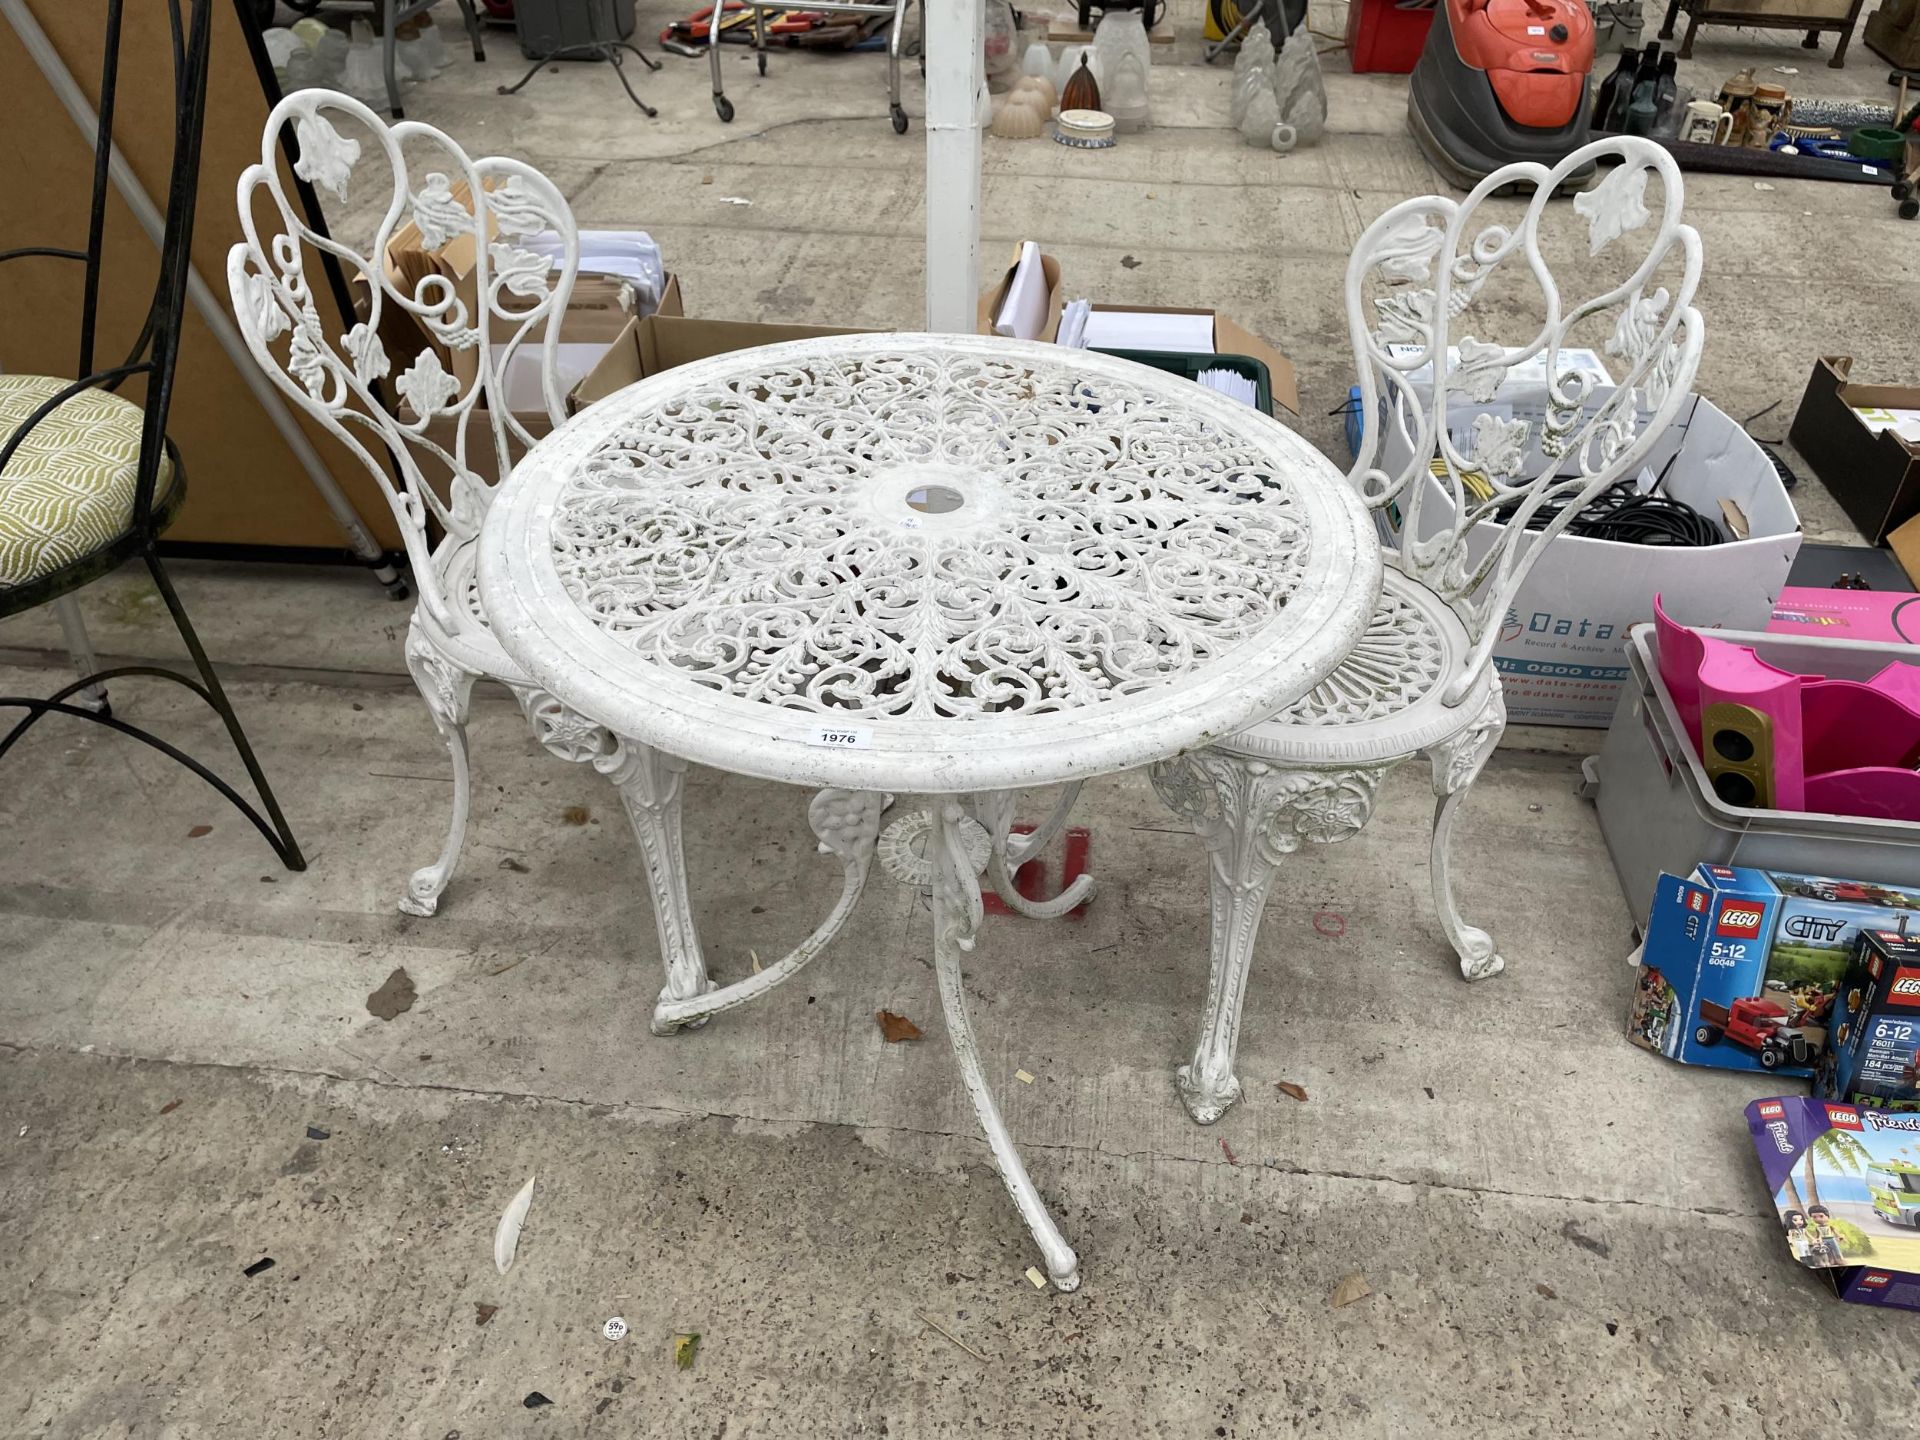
[994, 810]
[1250, 815]
[650, 782]
[957, 912]
[847, 824]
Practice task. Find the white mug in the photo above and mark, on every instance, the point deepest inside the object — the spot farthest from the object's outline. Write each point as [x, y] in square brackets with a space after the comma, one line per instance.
[1706, 123]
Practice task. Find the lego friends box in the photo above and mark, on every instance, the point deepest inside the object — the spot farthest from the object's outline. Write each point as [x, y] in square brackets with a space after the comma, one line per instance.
[1846, 1183]
[1741, 968]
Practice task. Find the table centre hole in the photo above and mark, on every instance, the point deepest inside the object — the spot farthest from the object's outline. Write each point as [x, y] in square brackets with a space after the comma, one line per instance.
[935, 499]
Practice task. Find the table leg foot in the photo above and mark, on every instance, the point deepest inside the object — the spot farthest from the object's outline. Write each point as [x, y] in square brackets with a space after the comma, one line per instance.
[957, 912]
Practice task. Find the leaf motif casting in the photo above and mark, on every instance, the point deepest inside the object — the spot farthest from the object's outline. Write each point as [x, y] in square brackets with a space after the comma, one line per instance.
[1615, 206]
[368, 354]
[426, 386]
[438, 215]
[327, 157]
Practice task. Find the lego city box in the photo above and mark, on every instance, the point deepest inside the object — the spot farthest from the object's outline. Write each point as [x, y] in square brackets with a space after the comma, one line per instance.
[1845, 1182]
[1741, 967]
[1873, 1043]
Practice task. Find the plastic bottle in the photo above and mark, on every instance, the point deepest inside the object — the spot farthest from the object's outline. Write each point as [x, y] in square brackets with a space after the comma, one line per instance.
[1666, 87]
[1610, 88]
[1645, 104]
[1646, 72]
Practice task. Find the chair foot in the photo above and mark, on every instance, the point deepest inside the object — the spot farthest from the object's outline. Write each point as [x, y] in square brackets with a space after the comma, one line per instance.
[1477, 958]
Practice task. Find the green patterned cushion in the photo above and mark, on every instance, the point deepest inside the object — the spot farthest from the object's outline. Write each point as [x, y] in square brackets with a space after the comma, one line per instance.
[68, 490]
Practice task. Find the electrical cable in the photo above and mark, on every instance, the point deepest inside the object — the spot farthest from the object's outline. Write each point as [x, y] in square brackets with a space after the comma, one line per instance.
[1622, 513]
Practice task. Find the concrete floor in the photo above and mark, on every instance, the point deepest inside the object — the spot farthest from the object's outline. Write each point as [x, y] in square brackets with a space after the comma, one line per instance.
[1563, 1235]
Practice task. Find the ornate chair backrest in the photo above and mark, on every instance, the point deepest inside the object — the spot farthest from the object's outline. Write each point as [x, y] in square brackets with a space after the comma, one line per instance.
[1413, 285]
[517, 294]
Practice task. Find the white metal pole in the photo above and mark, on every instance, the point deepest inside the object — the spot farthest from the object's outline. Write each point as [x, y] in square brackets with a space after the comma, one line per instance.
[953, 33]
[359, 538]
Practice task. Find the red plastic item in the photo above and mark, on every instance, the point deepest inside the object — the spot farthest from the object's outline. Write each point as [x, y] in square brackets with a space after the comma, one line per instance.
[1536, 52]
[1385, 37]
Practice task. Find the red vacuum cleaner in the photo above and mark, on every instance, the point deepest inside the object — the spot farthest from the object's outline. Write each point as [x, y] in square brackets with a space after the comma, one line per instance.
[1500, 81]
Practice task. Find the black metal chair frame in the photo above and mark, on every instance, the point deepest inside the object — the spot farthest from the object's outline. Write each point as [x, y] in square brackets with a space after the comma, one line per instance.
[154, 355]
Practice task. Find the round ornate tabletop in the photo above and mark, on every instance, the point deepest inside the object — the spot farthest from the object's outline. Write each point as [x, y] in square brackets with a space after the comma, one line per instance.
[929, 563]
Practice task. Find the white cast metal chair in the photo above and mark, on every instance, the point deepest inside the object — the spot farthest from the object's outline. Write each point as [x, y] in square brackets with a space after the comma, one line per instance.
[517, 299]
[1422, 680]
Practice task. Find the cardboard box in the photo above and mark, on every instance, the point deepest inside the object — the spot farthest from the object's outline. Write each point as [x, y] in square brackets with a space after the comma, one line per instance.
[1886, 617]
[1741, 967]
[1873, 1055]
[662, 341]
[1231, 339]
[1872, 471]
[1561, 647]
[586, 335]
[990, 302]
[1847, 1192]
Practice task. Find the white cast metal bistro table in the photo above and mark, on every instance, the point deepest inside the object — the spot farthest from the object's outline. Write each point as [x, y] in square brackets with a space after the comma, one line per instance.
[945, 566]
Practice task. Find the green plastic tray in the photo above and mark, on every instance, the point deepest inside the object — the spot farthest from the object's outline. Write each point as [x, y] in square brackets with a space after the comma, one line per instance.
[1177, 362]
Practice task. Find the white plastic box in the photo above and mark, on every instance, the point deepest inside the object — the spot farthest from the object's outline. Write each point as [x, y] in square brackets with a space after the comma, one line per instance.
[1560, 651]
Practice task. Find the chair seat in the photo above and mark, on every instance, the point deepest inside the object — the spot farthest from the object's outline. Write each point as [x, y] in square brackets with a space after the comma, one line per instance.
[1383, 703]
[69, 489]
[457, 564]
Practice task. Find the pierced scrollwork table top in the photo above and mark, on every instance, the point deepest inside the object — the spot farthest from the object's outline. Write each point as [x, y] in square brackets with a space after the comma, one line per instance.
[931, 563]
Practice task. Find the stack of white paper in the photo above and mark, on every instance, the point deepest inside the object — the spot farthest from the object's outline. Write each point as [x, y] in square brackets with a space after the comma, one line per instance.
[1232, 384]
[1073, 325]
[1146, 330]
[1023, 314]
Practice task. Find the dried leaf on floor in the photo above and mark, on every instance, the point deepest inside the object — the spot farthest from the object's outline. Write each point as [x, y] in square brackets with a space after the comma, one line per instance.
[483, 1312]
[895, 1028]
[197, 831]
[685, 1347]
[1291, 1090]
[518, 867]
[394, 997]
[576, 814]
[755, 955]
[1546, 1292]
[170, 1107]
[506, 1239]
[1227, 1150]
[1351, 1288]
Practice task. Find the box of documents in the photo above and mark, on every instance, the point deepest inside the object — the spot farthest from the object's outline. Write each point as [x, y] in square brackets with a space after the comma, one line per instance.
[1182, 331]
